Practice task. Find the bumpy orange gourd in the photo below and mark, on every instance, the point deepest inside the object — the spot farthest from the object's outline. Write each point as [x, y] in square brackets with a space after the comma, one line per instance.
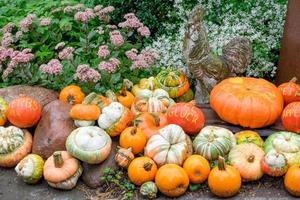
[291, 117]
[290, 91]
[71, 94]
[197, 168]
[24, 112]
[291, 180]
[224, 180]
[3, 111]
[85, 112]
[249, 102]
[133, 137]
[141, 170]
[172, 180]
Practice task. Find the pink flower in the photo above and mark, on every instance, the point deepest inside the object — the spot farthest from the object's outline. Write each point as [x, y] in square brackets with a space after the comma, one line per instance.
[144, 31]
[45, 21]
[131, 21]
[66, 53]
[85, 73]
[107, 10]
[7, 72]
[8, 27]
[114, 61]
[149, 55]
[26, 22]
[6, 40]
[103, 51]
[129, 16]
[85, 16]
[19, 34]
[59, 46]
[68, 9]
[139, 63]
[116, 38]
[97, 8]
[78, 7]
[100, 30]
[5, 53]
[54, 67]
[111, 26]
[131, 54]
[109, 66]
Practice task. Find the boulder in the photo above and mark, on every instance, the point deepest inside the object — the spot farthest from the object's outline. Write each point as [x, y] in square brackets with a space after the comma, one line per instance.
[42, 95]
[92, 173]
[53, 129]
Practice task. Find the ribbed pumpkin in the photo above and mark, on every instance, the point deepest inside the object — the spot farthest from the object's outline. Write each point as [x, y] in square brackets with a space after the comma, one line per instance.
[124, 157]
[290, 91]
[149, 190]
[291, 117]
[291, 180]
[197, 168]
[145, 86]
[3, 111]
[90, 144]
[213, 142]
[170, 145]
[246, 159]
[248, 136]
[187, 115]
[24, 112]
[249, 102]
[134, 138]
[71, 94]
[15, 144]
[115, 118]
[274, 164]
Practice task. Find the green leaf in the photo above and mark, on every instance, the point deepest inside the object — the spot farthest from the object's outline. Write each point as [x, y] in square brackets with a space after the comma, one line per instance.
[116, 77]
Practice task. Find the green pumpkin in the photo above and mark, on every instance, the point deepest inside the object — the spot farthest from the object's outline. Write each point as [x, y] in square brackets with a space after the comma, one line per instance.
[287, 143]
[213, 142]
[186, 97]
[145, 84]
[149, 190]
[30, 168]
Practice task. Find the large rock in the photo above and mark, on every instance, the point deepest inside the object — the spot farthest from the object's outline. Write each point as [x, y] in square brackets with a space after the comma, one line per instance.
[43, 95]
[53, 129]
[92, 173]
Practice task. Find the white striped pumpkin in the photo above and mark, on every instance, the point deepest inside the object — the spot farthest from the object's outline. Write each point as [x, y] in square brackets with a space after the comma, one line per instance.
[213, 141]
[170, 145]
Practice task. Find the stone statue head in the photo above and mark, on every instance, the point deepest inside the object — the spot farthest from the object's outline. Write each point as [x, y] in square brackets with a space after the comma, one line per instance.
[196, 15]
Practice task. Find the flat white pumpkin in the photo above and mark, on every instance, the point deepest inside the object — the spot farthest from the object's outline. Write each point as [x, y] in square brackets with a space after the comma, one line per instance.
[110, 115]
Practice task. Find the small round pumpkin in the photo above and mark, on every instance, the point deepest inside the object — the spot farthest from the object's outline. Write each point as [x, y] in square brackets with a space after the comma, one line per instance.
[90, 144]
[15, 144]
[224, 180]
[246, 159]
[24, 112]
[124, 157]
[291, 180]
[291, 117]
[141, 170]
[274, 164]
[290, 91]
[3, 111]
[149, 190]
[248, 136]
[125, 97]
[134, 138]
[85, 112]
[72, 94]
[30, 168]
[172, 180]
[197, 168]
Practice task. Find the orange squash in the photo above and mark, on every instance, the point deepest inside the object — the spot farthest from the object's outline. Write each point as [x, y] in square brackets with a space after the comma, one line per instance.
[141, 170]
[125, 97]
[224, 180]
[290, 91]
[71, 94]
[291, 117]
[197, 168]
[24, 112]
[249, 102]
[172, 180]
[124, 157]
[134, 138]
[291, 180]
[85, 112]
[3, 111]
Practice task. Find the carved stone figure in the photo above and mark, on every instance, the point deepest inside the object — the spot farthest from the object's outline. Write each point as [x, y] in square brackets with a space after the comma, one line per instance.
[208, 68]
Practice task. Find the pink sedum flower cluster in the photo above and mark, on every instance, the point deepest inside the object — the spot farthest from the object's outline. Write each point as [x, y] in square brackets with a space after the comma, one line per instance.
[26, 22]
[110, 66]
[85, 73]
[103, 13]
[116, 38]
[45, 21]
[71, 9]
[7, 40]
[60, 46]
[132, 22]
[144, 31]
[103, 51]
[54, 67]
[84, 16]
[66, 53]
[144, 59]
[8, 27]
[131, 54]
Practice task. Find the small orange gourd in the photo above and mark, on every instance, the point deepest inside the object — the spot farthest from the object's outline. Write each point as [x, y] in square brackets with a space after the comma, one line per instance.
[134, 138]
[124, 157]
[85, 112]
[125, 97]
[197, 168]
[291, 180]
[71, 94]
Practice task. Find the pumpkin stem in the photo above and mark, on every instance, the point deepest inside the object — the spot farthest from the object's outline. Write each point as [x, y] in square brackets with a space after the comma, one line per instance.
[298, 94]
[221, 163]
[58, 161]
[133, 130]
[123, 90]
[148, 166]
[156, 119]
[293, 80]
[70, 99]
[211, 137]
[251, 158]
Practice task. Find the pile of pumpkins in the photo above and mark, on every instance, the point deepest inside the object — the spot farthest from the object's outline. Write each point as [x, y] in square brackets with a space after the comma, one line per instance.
[164, 145]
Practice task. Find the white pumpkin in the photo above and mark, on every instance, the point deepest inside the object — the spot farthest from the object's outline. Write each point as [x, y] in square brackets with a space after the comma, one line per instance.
[170, 145]
[83, 123]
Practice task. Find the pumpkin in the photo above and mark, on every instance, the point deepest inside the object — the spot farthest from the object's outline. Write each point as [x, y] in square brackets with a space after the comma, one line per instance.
[149, 190]
[291, 117]
[291, 180]
[145, 85]
[286, 143]
[246, 159]
[95, 99]
[62, 171]
[274, 164]
[150, 123]
[85, 112]
[213, 141]
[249, 102]
[83, 123]
[90, 144]
[30, 168]
[124, 156]
[224, 180]
[115, 118]
[15, 144]
[134, 138]
[187, 115]
[125, 97]
[24, 112]
[173, 81]
[141, 170]
[197, 168]
[3, 111]
[248, 136]
[170, 145]
[71, 94]
[186, 97]
[290, 91]
[172, 180]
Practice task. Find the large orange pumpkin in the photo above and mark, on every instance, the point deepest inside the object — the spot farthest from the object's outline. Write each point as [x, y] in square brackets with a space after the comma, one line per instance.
[71, 94]
[24, 112]
[291, 180]
[249, 102]
[290, 91]
[291, 117]
[187, 115]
